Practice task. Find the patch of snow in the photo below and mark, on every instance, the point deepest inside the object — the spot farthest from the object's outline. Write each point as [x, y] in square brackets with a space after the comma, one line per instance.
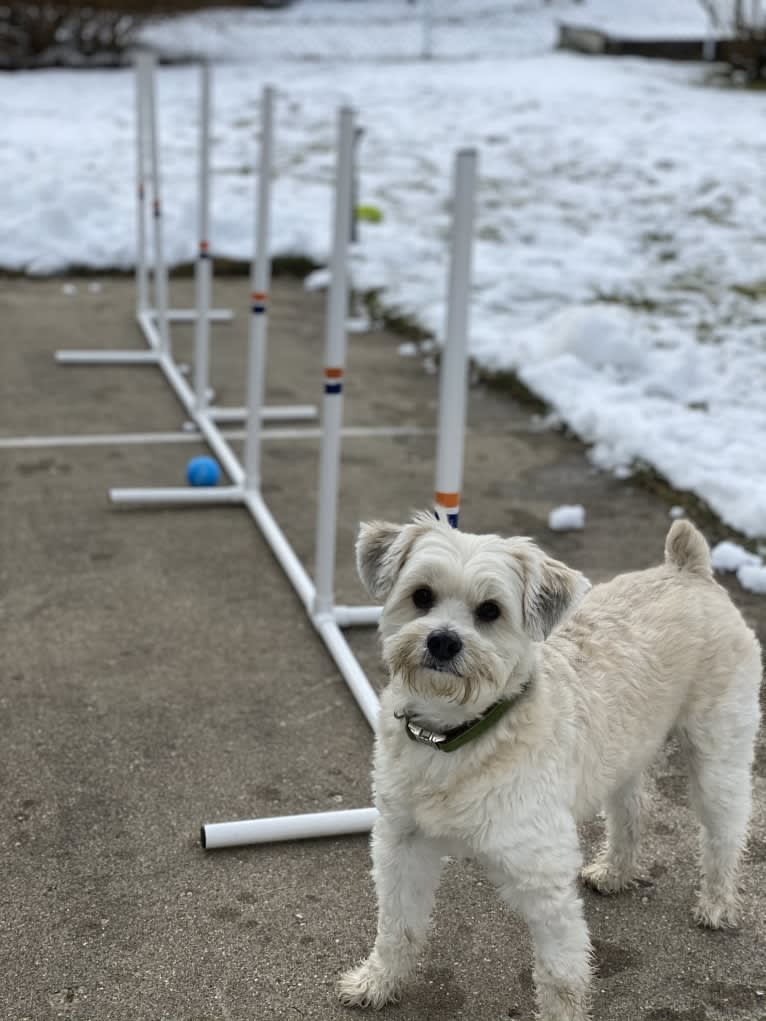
[690, 409]
[752, 578]
[318, 280]
[677, 512]
[567, 518]
[408, 349]
[616, 266]
[729, 556]
[358, 324]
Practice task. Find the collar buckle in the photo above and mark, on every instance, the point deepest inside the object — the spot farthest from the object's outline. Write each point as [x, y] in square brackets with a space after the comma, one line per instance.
[430, 737]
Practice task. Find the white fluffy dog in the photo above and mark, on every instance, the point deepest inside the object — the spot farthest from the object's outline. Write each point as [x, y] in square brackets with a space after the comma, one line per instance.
[545, 719]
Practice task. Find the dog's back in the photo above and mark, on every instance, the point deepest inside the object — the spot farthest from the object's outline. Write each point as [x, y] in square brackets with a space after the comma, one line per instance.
[684, 661]
[655, 651]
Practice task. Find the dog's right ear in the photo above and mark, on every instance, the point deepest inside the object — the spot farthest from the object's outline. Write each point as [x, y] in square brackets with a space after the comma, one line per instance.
[551, 590]
[551, 593]
[381, 550]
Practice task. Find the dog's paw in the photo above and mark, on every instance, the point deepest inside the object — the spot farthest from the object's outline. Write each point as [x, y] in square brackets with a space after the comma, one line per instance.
[365, 986]
[716, 914]
[602, 878]
[561, 1003]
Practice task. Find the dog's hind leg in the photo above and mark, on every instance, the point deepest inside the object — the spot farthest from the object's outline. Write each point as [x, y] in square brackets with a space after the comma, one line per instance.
[720, 795]
[718, 741]
[616, 866]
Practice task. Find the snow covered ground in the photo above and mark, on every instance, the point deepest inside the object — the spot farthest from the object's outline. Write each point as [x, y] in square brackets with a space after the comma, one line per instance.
[749, 568]
[621, 241]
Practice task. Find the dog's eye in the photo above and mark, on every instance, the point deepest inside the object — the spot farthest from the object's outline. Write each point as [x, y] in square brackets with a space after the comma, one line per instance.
[488, 611]
[423, 598]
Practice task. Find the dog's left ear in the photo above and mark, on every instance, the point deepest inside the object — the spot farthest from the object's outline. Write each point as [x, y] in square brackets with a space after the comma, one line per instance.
[381, 550]
[551, 592]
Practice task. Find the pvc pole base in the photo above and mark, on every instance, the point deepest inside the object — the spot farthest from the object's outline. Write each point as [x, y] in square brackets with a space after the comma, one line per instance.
[357, 616]
[189, 315]
[289, 827]
[284, 413]
[178, 496]
[107, 357]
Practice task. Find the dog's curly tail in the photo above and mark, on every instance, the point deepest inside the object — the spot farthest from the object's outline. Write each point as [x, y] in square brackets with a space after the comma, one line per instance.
[686, 548]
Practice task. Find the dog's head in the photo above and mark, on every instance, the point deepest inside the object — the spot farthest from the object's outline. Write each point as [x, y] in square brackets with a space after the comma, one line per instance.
[461, 611]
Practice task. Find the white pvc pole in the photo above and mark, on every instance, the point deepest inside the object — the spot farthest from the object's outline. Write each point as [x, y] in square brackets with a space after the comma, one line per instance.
[282, 413]
[453, 385]
[290, 827]
[427, 20]
[85, 357]
[170, 496]
[143, 62]
[160, 269]
[347, 663]
[203, 266]
[188, 315]
[281, 548]
[260, 279]
[357, 616]
[334, 370]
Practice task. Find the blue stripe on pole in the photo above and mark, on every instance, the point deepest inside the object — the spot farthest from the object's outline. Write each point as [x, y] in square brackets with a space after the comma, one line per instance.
[333, 388]
[451, 518]
[259, 310]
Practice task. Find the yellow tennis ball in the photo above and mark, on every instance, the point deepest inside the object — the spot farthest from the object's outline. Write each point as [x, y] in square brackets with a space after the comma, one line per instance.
[370, 214]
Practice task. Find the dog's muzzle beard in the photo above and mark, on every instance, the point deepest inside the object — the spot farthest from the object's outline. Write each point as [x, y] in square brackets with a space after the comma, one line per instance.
[458, 680]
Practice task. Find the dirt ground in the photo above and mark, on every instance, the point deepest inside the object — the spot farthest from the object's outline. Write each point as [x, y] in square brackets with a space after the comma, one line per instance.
[157, 672]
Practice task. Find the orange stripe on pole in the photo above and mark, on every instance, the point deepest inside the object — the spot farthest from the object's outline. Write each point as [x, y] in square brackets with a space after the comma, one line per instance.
[204, 246]
[333, 373]
[259, 295]
[447, 499]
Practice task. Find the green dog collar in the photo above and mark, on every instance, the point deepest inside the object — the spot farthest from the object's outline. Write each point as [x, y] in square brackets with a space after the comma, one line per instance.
[455, 738]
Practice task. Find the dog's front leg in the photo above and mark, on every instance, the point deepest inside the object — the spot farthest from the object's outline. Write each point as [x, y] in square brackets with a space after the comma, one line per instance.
[539, 882]
[406, 868]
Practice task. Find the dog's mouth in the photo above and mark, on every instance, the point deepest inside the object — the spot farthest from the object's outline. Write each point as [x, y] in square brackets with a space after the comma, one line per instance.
[439, 666]
[443, 679]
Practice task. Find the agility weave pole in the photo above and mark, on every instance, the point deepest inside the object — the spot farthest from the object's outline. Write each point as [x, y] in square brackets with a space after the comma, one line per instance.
[147, 180]
[452, 416]
[453, 379]
[260, 274]
[145, 73]
[203, 267]
[154, 323]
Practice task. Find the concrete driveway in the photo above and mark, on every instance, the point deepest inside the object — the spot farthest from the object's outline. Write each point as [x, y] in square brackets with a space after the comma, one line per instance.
[157, 672]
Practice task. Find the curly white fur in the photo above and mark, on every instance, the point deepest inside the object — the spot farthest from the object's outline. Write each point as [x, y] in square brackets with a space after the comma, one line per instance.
[648, 654]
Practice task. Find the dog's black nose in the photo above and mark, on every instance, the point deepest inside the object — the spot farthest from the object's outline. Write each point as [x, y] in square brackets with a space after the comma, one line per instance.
[444, 645]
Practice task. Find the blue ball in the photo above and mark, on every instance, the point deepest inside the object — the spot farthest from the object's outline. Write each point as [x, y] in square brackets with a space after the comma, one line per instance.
[203, 471]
